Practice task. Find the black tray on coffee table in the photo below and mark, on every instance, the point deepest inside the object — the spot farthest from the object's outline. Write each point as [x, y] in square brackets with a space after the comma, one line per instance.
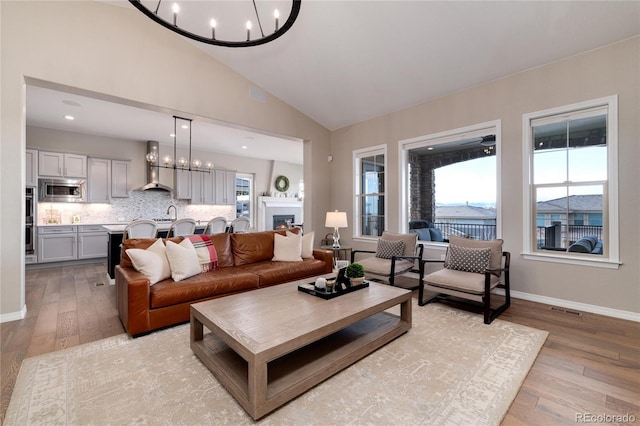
[311, 289]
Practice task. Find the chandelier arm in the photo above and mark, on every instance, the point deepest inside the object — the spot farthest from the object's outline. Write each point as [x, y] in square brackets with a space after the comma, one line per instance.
[258, 18]
[295, 10]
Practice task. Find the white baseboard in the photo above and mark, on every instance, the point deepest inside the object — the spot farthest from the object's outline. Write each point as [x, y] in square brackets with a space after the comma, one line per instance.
[14, 316]
[584, 307]
[594, 309]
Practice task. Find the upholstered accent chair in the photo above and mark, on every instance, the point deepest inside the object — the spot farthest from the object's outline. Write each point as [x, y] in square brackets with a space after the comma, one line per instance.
[394, 255]
[472, 270]
[216, 225]
[182, 227]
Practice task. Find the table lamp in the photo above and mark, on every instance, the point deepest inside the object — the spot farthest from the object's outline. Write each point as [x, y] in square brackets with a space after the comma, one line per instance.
[335, 220]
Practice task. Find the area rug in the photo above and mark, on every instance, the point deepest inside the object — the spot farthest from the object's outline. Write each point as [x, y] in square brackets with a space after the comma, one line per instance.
[450, 368]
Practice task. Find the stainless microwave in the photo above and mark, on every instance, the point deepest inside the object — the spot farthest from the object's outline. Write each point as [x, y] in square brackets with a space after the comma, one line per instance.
[62, 190]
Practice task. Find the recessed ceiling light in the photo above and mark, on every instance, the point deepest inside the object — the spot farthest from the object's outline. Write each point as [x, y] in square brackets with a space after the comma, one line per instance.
[184, 126]
[430, 148]
[172, 135]
[71, 103]
[69, 117]
[244, 147]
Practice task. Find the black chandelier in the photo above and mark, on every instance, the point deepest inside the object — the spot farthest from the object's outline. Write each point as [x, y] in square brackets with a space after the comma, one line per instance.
[171, 22]
[189, 164]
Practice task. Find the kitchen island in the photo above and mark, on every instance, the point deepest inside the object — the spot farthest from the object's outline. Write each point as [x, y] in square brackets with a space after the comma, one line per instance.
[115, 240]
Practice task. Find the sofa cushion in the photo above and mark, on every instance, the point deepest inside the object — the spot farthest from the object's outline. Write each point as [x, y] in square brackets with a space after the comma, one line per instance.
[151, 262]
[222, 243]
[253, 247]
[307, 244]
[183, 260]
[287, 248]
[202, 286]
[139, 243]
[271, 273]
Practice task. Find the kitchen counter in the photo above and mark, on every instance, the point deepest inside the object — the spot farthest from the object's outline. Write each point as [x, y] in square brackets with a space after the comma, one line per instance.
[115, 240]
[162, 226]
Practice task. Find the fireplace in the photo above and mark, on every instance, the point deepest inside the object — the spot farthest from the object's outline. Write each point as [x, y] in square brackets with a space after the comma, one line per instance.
[283, 221]
[274, 211]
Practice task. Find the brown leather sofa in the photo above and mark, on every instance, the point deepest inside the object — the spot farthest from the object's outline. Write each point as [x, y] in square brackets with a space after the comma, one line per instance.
[244, 263]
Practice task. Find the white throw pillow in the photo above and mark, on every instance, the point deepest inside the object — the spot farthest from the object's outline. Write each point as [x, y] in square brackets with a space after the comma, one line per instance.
[183, 260]
[287, 249]
[307, 244]
[152, 262]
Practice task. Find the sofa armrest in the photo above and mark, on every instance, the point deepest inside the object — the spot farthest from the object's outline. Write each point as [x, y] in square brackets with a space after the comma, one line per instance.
[326, 256]
[132, 297]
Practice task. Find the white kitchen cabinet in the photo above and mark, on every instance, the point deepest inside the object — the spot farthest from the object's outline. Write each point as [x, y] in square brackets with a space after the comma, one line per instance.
[120, 178]
[202, 188]
[182, 184]
[62, 165]
[57, 243]
[93, 241]
[225, 187]
[99, 181]
[31, 167]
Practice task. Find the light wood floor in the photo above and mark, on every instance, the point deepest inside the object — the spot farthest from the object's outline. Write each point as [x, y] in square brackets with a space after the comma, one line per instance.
[589, 365]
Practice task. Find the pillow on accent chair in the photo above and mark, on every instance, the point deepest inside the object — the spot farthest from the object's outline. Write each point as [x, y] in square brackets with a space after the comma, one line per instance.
[183, 260]
[152, 262]
[389, 248]
[423, 234]
[436, 235]
[467, 259]
[287, 248]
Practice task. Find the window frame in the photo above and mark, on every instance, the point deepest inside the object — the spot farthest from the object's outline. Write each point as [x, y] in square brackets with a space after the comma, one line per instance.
[610, 259]
[252, 199]
[452, 135]
[358, 155]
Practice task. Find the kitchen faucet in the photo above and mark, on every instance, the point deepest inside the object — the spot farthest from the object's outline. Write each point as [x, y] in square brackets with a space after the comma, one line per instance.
[175, 211]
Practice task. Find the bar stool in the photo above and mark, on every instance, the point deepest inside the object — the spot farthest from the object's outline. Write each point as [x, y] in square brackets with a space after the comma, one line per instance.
[141, 228]
[182, 227]
[216, 225]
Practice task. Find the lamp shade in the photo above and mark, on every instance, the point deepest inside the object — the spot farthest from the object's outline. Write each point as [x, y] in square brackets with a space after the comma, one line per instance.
[336, 219]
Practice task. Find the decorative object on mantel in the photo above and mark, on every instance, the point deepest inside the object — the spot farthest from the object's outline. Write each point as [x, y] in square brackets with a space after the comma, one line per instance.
[282, 183]
[167, 16]
[335, 220]
[180, 162]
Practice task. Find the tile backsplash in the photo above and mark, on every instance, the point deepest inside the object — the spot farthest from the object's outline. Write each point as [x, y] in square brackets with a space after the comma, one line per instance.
[141, 205]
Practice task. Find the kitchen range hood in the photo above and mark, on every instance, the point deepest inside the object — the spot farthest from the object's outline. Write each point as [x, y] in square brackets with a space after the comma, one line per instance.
[153, 182]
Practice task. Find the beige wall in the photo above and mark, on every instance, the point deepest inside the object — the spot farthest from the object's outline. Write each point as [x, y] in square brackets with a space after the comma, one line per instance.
[119, 53]
[603, 72]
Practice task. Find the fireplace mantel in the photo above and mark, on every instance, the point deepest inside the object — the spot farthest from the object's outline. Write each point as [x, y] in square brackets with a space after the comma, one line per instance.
[268, 206]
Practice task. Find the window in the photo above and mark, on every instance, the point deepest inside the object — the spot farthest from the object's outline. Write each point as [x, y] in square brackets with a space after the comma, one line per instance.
[571, 181]
[244, 195]
[450, 182]
[369, 208]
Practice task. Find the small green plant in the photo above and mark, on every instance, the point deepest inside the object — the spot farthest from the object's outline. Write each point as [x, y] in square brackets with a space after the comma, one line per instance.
[355, 270]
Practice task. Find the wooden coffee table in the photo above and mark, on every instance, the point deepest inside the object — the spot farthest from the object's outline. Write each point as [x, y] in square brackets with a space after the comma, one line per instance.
[270, 345]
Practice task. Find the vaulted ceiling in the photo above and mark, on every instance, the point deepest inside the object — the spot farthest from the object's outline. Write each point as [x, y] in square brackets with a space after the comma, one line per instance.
[347, 61]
